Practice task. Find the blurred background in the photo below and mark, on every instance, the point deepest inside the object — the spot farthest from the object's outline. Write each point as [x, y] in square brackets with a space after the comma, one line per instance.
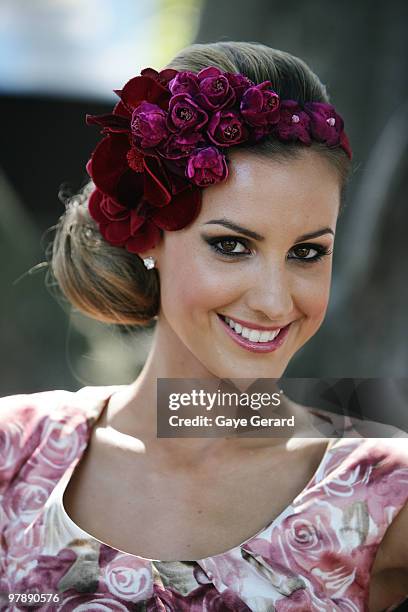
[59, 59]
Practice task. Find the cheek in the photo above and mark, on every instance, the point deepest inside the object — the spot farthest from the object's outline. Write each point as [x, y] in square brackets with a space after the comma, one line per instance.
[312, 295]
[189, 283]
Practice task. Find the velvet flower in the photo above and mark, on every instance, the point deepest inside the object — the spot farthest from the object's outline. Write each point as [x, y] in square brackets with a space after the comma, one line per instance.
[260, 105]
[325, 124]
[165, 140]
[293, 122]
[227, 128]
[206, 167]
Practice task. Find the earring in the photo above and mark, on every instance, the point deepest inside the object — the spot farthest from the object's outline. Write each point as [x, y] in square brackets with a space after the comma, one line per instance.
[149, 262]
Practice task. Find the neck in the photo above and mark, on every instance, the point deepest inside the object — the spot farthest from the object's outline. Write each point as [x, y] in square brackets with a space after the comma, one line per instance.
[133, 410]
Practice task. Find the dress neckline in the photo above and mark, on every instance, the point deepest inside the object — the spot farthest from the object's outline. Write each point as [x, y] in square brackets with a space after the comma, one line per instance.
[69, 472]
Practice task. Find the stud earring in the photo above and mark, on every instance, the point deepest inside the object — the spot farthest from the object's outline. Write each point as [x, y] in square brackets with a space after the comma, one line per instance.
[149, 262]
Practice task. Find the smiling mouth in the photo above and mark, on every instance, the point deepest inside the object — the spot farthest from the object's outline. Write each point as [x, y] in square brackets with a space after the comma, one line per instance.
[255, 340]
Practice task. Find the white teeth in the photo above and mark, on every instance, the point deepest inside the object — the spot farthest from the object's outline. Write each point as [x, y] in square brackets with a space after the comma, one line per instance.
[253, 335]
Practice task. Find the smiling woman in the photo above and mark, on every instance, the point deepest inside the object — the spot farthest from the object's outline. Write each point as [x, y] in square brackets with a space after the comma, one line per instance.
[211, 214]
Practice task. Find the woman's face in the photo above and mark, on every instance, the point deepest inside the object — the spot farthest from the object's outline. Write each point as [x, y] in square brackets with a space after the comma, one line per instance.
[271, 270]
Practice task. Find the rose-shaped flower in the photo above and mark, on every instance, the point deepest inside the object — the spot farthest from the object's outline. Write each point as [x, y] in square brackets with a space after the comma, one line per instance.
[148, 125]
[215, 89]
[163, 77]
[260, 105]
[128, 578]
[143, 89]
[293, 123]
[185, 114]
[239, 83]
[226, 128]
[140, 229]
[201, 599]
[206, 167]
[180, 146]
[184, 82]
[325, 124]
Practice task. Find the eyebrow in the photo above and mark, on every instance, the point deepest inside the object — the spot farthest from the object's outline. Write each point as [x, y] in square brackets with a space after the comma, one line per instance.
[251, 234]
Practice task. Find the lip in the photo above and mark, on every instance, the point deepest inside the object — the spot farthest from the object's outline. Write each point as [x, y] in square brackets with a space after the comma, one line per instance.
[253, 326]
[256, 347]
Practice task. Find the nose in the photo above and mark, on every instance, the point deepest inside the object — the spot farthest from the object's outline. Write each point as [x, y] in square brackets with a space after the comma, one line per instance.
[270, 293]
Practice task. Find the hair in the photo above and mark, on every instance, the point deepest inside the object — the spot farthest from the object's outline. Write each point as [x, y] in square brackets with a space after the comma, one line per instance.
[110, 284]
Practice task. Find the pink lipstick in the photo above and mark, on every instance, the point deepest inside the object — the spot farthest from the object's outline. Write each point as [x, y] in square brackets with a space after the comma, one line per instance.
[256, 347]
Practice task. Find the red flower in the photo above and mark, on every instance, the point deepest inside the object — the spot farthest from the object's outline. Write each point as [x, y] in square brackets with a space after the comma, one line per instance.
[140, 229]
[260, 105]
[164, 140]
[206, 167]
[325, 124]
[185, 114]
[293, 123]
[215, 89]
[226, 128]
[148, 125]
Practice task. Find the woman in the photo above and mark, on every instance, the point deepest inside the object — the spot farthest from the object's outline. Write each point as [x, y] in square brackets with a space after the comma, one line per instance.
[224, 186]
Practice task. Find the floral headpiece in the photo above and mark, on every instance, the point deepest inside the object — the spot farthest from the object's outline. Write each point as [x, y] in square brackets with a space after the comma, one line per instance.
[166, 138]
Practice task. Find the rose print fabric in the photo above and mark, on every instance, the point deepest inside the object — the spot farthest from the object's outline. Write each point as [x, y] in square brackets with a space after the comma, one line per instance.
[316, 555]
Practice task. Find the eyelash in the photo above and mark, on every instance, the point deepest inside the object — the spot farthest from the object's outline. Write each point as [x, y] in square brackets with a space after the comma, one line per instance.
[321, 250]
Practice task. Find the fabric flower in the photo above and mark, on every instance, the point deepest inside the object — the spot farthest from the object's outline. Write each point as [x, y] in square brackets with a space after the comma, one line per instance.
[206, 167]
[164, 140]
[180, 146]
[226, 128]
[140, 229]
[148, 125]
[293, 122]
[325, 124]
[185, 114]
[260, 105]
[215, 89]
[184, 82]
[239, 83]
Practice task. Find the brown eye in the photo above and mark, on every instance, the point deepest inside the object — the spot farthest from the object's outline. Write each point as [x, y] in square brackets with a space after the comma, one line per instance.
[303, 252]
[228, 244]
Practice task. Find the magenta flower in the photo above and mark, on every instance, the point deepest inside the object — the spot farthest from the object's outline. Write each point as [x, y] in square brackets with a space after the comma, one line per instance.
[293, 123]
[148, 125]
[226, 128]
[179, 146]
[184, 82]
[185, 114]
[325, 124]
[206, 167]
[239, 83]
[215, 90]
[260, 105]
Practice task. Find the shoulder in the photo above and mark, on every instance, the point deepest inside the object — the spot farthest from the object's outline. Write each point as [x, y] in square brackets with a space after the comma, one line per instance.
[393, 553]
[31, 420]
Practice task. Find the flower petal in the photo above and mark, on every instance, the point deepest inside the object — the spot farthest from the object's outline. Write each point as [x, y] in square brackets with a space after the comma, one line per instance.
[184, 208]
[147, 237]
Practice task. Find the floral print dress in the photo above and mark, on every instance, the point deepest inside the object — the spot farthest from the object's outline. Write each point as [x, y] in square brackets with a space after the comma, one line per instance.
[315, 555]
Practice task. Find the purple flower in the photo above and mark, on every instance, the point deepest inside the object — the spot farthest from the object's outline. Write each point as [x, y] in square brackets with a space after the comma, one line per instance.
[206, 167]
[325, 124]
[239, 84]
[215, 90]
[181, 145]
[185, 114]
[260, 105]
[293, 122]
[148, 125]
[226, 128]
[184, 82]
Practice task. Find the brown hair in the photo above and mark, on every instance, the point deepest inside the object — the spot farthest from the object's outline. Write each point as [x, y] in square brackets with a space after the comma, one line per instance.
[112, 285]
